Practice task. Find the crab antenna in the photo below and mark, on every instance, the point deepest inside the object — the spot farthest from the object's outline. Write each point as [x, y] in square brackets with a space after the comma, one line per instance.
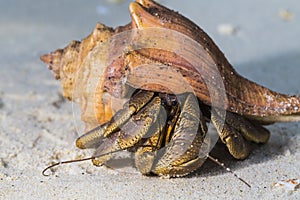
[227, 169]
[76, 160]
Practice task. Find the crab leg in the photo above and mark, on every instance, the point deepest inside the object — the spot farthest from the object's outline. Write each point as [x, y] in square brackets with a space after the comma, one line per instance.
[181, 154]
[131, 132]
[236, 131]
[94, 137]
[146, 153]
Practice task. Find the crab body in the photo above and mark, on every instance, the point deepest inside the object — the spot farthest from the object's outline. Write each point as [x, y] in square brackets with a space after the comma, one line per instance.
[176, 80]
[151, 125]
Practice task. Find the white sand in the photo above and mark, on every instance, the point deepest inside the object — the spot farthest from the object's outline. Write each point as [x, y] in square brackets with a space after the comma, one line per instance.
[33, 132]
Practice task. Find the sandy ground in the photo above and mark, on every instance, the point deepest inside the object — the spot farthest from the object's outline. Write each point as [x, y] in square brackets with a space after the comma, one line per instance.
[37, 127]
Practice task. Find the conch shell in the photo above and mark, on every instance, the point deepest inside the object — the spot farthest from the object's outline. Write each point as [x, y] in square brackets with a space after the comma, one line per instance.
[82, 82]
[107, 63]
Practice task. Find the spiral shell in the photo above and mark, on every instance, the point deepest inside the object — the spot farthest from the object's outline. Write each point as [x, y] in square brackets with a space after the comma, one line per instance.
[91, 78]
[82, 76]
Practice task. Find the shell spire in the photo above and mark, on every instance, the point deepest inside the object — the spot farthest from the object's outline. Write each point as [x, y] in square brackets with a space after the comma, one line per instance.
[81, 79]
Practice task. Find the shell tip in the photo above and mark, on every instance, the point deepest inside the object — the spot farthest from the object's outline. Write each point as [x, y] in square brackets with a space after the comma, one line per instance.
[47, 58]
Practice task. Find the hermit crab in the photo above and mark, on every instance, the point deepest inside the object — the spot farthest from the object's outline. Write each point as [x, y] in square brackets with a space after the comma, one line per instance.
[173, 80]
